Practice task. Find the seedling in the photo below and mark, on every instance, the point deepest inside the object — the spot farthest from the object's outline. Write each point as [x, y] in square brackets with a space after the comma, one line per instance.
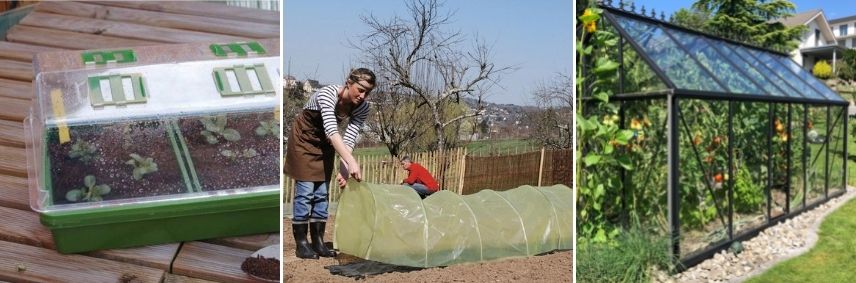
[215, 127]
[83, 151]
[233, 155]
[142, 166]
[90, 191]
[268, 128]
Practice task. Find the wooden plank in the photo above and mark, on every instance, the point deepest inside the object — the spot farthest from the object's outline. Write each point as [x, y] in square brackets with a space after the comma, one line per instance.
[16, 89]
[252, 242]
[13, 161]
[214, 10]
[16, 70]
[172, 278]
[22, 52]
[14, 109]
[187, 22]
[23, 226]
[156, 256]
[121, 29]
[45, 265]
[211, 262]
[14, 192]
[12, 133]
[67, 39]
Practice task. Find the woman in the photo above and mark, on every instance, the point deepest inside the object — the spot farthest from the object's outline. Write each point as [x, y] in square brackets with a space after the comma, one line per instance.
[312, 144]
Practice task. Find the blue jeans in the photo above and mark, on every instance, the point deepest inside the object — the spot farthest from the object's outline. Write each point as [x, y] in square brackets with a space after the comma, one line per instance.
[310, 202]
[421, 189]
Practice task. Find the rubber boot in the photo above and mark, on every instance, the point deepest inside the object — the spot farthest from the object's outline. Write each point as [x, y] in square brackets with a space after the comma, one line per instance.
[316, 229]
[303, 250]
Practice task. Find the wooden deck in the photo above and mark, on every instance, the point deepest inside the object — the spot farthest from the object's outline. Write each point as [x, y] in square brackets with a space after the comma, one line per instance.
[26, 247]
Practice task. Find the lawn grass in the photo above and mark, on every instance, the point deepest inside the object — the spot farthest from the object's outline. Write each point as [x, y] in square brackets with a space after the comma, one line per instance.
[832, 259]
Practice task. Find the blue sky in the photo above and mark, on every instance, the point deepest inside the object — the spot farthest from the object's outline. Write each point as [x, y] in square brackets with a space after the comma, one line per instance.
[534, 36]
[831, 8]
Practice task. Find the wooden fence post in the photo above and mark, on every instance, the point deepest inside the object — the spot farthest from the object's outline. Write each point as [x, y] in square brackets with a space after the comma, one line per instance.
[541, 169]
[463, 172]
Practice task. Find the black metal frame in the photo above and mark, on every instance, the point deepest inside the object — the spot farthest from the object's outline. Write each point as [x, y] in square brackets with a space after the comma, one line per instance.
[675, 122]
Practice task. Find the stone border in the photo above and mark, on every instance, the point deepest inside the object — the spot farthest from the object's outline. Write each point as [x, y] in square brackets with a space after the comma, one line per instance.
[771, 246]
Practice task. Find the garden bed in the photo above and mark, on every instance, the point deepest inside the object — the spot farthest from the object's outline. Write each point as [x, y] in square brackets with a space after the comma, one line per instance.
[555, 267]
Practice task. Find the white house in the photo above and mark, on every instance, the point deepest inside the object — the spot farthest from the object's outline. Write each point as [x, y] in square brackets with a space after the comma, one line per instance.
[823, 39]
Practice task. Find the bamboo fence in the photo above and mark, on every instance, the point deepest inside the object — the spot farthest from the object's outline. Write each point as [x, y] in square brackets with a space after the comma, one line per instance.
[461, 173]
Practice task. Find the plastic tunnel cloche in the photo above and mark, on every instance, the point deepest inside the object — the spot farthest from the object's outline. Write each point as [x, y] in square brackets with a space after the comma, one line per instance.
[159, 136]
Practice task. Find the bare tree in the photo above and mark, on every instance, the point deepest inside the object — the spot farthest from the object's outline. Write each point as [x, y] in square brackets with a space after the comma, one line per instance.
[551, 123]
[395, 118]
[419, 56]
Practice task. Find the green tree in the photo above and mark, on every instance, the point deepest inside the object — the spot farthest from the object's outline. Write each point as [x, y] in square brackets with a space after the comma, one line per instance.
[754, 20]
[691, 18]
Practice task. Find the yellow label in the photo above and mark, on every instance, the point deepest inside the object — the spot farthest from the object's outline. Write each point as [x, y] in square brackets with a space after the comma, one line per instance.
[276, 114]
[59, 113]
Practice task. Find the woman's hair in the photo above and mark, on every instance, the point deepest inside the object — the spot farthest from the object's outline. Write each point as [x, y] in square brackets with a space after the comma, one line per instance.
[362, 74]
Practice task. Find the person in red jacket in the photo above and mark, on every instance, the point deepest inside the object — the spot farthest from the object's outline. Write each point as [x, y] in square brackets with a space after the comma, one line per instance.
[418, 178]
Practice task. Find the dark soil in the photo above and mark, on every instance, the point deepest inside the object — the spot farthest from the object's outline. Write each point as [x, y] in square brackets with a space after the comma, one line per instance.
[146, 138]
[217, 172]
[262, 267]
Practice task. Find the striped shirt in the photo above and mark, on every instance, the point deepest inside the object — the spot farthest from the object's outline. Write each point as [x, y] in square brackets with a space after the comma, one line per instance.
[324, 100]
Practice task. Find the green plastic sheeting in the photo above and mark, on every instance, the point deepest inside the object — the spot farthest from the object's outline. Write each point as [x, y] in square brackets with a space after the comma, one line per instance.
[391, 224]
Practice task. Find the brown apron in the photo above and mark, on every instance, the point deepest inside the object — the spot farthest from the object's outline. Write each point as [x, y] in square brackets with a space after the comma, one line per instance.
[309, 156]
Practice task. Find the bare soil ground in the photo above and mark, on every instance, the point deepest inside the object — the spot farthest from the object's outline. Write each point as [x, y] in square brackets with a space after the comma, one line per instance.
[555, 267]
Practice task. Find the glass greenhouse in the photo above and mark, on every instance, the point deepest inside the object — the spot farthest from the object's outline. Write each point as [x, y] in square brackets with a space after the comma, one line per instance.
[733, 138]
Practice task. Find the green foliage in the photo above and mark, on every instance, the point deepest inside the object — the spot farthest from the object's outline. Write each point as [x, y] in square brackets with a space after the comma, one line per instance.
[233, 155]
[89, 192]
[142, 165]
[748, 193]
[215, 127]
[629, 259]
[268, 128]
[822, 70]
[691, 18]
[755, 20]
[83, 151]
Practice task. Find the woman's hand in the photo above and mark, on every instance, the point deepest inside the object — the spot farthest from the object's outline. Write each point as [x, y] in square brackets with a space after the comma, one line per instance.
[341, 180]
[354, 170]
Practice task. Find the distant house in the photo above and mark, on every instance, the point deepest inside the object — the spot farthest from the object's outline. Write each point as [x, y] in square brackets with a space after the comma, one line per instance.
[289, 82]
[309, 86]
[823, 39]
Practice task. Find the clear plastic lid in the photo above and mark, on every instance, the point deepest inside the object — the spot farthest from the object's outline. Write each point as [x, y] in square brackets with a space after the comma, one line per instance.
[154, 124]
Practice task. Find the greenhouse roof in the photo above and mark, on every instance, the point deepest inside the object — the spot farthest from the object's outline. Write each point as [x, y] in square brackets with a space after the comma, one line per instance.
[694, 64]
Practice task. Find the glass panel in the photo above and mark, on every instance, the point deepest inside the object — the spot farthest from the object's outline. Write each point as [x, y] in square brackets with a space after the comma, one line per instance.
[836, 154]
[797, 185]
[639, 77]
[750, 165]
[719, 66]
[647, 182]
[678, 66]
[754, 74]
[786, 74]
[816, 140]
[777, 81]
[779, 150]
[703, 165]
[811, 80]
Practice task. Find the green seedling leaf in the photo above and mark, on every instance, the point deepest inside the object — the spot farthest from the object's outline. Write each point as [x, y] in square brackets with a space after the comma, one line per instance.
[231, 135]
[74, 195]
[89, 181]
[102, 189]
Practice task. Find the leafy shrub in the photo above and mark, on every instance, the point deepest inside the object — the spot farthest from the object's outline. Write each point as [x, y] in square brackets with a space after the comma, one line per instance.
[748, 195]
[822, 70]
[630, 259]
